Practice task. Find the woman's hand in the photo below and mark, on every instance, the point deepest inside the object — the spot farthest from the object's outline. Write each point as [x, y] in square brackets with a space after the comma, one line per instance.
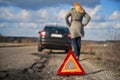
[83, 25]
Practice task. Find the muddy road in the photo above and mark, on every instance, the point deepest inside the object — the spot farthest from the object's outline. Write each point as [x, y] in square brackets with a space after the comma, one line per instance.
[25, 63]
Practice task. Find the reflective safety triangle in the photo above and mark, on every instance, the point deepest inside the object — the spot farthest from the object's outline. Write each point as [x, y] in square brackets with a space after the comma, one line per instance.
[63, 69]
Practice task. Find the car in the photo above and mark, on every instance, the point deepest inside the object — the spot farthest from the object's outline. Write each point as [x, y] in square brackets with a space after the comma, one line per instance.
[54, 37]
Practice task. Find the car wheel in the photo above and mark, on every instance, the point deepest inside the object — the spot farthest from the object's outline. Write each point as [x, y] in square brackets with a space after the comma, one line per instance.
[50, 51]
[66, 51]
[40, 48]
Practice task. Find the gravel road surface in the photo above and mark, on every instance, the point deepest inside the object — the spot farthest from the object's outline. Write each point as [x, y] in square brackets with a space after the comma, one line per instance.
[25, 63]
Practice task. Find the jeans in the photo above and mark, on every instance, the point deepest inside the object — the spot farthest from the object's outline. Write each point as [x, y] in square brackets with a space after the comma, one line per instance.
[76, 42]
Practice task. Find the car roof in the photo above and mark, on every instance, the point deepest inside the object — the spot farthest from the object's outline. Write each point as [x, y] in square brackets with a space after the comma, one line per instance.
[56, 26]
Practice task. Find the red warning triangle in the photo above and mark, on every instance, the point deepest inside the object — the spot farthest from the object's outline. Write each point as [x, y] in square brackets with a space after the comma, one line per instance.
[70, 57]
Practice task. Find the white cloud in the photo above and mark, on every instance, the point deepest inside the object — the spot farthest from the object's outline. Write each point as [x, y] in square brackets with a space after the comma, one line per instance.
[6, 13]
[99, 21]
[35, 20]
[19, 25]
[98, 25]
[94, 13]
[20, 29]
[2, 25]
[42, 13]
[61, 16]
[27, 25]
[114, 19]
[62, 13]
[115, 16]
[49, 15]
[23, 15]
[37, 4]
[117, 25]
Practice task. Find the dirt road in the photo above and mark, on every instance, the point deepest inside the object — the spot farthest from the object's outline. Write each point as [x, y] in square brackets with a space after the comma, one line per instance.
[16, 57]
[25, 63]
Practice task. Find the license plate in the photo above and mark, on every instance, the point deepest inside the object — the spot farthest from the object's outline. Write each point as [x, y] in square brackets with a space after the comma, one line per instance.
[56, 35]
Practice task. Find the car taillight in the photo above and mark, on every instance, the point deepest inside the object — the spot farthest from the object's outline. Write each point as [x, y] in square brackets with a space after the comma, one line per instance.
[43, 33]
[69, 36]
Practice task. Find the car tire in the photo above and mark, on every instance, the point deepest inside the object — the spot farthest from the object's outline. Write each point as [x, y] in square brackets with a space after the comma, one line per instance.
[39, 47]
[66, 51]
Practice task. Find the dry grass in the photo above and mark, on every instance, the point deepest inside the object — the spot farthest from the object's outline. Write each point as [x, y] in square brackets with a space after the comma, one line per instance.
[107, 54]
[110, 51]
[16, 44]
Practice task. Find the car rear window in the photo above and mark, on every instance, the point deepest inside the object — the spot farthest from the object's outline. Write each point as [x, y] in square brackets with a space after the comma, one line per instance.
[52, 28]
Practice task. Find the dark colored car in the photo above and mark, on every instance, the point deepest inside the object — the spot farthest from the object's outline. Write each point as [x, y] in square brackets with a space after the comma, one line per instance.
[54, 37]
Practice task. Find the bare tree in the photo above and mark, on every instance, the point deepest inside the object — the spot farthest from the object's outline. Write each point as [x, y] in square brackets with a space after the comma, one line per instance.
[113, 34]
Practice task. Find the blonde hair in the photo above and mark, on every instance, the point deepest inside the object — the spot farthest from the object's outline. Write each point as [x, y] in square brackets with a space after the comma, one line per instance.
[78, 7]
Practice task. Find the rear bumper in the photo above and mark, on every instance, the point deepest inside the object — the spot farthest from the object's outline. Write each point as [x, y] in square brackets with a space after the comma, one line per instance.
[55, 43]
[59, 46]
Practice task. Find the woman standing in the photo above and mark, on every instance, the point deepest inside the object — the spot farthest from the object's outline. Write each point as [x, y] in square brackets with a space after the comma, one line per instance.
[77, 26]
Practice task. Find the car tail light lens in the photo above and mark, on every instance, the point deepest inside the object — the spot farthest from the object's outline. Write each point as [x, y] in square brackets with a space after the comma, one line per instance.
[69, 36]
[43, 33]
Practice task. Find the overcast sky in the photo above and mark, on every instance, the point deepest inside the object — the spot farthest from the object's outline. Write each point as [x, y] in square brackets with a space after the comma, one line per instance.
[27, 17]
